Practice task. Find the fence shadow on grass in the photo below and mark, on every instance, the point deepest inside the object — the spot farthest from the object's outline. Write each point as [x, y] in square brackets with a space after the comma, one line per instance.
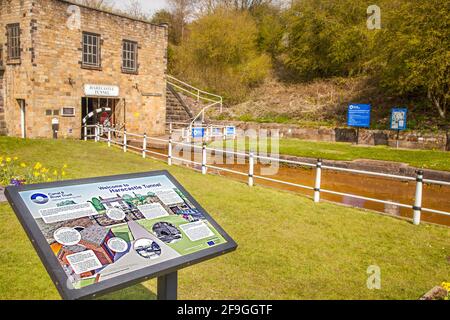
[136, 292]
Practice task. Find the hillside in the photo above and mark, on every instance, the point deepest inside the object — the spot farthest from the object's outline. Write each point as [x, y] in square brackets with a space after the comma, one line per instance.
[325, 102]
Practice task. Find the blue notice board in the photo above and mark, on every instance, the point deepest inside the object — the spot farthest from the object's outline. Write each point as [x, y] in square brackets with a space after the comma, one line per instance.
[198, 132]
[398, 118]
[230, 131]
[216, 132]
[358, 115]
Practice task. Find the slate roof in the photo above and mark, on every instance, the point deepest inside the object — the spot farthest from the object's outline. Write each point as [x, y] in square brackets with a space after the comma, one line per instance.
[94, 234]
[75, 249]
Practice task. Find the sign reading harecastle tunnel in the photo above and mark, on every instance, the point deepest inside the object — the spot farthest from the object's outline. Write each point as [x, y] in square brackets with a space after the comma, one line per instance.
[101, 234]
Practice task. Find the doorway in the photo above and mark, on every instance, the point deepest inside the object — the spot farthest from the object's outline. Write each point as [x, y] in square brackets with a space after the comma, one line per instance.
[23, 129]
[109, 112]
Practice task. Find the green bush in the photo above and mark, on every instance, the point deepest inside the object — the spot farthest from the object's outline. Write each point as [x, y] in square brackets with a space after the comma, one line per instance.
[327, 38]
[414, 52]
[221, 54]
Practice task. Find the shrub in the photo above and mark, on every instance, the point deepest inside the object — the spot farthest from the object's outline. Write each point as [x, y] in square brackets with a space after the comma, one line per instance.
[15, 172]
[221, 54]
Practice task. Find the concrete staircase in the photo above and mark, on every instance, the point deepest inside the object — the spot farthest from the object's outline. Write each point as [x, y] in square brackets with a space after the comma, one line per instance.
[177, 108]
[187, 104]
[3, 130]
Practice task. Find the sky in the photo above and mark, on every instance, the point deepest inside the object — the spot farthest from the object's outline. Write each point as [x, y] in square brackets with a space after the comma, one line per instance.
[150, 6]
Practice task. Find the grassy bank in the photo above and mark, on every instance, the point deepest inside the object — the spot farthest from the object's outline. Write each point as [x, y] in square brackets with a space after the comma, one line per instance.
[426, 159]
[289, 247]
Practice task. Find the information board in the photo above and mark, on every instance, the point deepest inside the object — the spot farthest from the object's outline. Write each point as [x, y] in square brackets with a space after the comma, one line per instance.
[198, 132]
[230, 131]
[98, 235]
[217, 132]
[358, 115]
[398, 118]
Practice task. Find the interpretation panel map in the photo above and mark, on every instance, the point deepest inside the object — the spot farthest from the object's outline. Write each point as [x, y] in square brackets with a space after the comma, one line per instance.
[102, 230]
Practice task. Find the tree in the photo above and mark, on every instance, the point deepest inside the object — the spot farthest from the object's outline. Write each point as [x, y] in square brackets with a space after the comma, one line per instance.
[221, 54]
[414, 52]
[327, 38]
[164, 16]
[182, 11]
[270, 26]
[135, 10]
[209, 6]
[97, 4]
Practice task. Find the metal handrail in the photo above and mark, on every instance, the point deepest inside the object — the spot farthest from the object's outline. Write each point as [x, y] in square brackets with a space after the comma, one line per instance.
[202, 114]
[199, 95]
[198, 92]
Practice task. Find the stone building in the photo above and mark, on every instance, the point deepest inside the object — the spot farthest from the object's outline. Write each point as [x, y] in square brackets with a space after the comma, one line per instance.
[62, 62]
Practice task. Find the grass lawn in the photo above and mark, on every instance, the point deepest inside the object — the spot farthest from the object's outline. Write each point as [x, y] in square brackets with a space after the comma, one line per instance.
[289, 247]
[426, 159]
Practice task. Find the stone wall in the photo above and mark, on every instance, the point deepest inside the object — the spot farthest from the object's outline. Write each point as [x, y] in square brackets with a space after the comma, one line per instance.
[407, 139]
[50, 75]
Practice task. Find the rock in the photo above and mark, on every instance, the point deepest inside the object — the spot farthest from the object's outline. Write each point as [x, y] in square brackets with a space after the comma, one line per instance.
[2, 195]
[437, 293]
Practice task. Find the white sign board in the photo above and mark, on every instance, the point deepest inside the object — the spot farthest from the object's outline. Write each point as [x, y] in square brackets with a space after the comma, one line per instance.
[100, 90]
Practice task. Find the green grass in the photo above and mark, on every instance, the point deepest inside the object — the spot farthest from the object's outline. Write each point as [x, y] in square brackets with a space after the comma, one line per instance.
[289, 247]
[426, 159]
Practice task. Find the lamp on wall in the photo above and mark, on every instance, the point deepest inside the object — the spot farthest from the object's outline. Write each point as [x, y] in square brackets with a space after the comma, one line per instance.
[71, 81]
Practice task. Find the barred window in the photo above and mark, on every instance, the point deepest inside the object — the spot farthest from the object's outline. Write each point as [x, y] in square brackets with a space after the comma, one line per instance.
[13, 41]
[91, 49]
[129, 56]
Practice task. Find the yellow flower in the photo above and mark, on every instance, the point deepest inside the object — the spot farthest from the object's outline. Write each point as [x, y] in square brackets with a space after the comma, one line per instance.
[55, 173]
[44, 170]
[1, 159]
[63, 173]
[16, 158]
[446, 286]
[64, 166]
[23, 165]
[36, 174]
[38, 166]
[8, 159]
[48, 180]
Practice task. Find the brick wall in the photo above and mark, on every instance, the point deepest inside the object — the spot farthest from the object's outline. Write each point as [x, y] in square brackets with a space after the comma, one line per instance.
[50, 75]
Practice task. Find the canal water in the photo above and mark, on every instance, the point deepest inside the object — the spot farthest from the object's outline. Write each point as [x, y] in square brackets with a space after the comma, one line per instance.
[434, 196]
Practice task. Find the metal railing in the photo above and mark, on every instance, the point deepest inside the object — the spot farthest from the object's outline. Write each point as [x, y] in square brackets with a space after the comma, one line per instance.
[417, 207]
[195, 92]
[212, 131]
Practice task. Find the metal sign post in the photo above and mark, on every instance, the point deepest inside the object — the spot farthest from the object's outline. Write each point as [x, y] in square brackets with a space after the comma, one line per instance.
[99, 235]
[168, 286]
[358, 116]
[398, 121]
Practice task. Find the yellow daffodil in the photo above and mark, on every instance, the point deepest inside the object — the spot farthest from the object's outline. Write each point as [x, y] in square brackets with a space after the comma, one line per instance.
[64, 166]
[38, 166]
[36, 174]
[16, 158]
[8, 159]
[55, 173]
[63, 173]
[23, 165]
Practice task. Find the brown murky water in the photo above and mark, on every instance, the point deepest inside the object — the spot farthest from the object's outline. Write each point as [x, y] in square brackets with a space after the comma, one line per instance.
[434, 196]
